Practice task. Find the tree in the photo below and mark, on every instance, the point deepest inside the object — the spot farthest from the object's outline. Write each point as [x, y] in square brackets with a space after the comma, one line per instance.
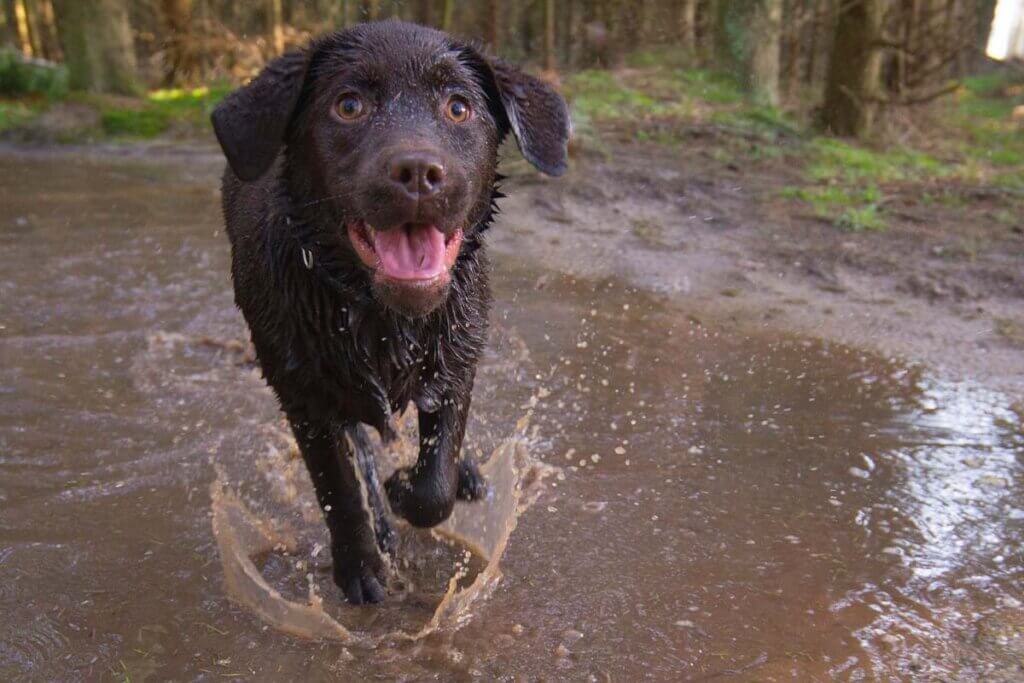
[98, 47]
[275, 28]
[549, 35]
[687, 22]
[747, 34]
[369, 10]
[182, 54]
[852, 84]
[494, 24]
[449, 15]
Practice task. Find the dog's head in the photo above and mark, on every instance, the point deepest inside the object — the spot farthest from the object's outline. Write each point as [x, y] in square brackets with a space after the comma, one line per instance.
[393, 129]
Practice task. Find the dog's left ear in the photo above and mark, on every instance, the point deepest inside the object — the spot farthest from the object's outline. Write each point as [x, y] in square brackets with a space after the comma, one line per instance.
[530, 108]
[251, 123]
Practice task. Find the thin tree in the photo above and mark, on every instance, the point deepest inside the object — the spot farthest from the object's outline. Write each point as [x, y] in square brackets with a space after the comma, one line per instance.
[494, 24]
[549, 35]
[24, 29]
[449, 15]
[182, 55]
[370, 10]
[747, 45]
[275, 26]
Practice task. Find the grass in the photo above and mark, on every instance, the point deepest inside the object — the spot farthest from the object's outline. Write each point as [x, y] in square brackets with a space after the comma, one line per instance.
[850, 209]
[971, 139]
[160, 111]
[157, 113]
[15, 114]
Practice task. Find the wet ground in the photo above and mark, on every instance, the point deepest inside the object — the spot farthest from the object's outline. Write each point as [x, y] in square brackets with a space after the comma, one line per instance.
[745, 506]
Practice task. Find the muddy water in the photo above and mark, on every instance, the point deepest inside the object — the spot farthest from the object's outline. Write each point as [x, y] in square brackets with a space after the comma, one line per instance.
[733, 506]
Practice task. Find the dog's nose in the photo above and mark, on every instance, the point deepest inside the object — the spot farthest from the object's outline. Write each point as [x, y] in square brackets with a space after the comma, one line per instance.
[420, 174]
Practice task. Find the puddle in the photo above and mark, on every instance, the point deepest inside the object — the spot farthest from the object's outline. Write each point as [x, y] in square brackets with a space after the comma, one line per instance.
[726, 504]
[468, 547]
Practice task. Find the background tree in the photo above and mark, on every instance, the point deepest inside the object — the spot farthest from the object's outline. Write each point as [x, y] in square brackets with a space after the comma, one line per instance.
[97, 42]
[747, 41]
[182, 63]
[852, 86]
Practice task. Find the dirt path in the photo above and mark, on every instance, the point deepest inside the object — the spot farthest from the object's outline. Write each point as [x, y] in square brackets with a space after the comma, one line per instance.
[943, 286]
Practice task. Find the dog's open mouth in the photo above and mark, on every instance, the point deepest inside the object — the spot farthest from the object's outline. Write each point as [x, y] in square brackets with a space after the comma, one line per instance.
[409, 252]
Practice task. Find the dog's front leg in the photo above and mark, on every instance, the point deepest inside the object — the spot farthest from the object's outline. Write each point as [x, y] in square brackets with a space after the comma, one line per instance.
[359, 568]
[425, 493]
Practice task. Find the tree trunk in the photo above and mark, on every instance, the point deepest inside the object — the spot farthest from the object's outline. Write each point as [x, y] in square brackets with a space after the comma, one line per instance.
[494, 24]
[851, 89]
[23, 29]
[182, 55]
[370, 10]
[687, 24]
[275, 26]
[549, 35]
[425, 12]
[39, 18]
[48, 24]
[986, 14]
[747, 44]
[9, 36]
[449, 15]
[98, 47]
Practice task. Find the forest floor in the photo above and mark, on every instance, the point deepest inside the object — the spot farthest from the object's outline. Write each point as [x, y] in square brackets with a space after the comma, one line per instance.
[912, 244]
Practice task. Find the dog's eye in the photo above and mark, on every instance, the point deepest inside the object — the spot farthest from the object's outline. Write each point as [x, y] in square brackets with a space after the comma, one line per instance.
[458, 110]
[350, 107]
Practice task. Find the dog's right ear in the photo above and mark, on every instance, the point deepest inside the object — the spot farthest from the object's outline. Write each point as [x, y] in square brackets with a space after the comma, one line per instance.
[251, 122]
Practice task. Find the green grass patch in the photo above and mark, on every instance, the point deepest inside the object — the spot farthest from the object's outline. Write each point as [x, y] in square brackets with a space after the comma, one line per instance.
[649, 93]
[18, 113]
[861, 219]
[833, 159]
[158, 111]
[848, 208]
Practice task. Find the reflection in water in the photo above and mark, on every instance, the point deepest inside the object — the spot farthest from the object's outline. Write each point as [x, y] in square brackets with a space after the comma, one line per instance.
[728, 504]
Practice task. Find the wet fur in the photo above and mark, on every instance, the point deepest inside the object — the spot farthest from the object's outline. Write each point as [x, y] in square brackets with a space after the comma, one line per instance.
[335, 355]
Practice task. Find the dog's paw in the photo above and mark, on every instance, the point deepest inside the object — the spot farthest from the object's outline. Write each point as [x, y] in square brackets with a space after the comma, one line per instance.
[472, 485]
[361, 574]
[422, 502]
[361, 588]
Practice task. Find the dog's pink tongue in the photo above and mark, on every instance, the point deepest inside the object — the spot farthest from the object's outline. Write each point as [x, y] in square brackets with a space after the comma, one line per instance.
[410, 252]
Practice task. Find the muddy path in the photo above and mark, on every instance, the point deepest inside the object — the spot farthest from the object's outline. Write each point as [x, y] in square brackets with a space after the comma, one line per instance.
[734, 499]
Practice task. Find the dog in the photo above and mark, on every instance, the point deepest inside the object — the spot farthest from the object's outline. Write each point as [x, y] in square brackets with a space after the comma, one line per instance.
[361, 177]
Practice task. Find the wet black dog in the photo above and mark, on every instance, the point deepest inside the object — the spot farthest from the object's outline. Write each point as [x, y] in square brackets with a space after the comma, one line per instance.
[361, 179]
